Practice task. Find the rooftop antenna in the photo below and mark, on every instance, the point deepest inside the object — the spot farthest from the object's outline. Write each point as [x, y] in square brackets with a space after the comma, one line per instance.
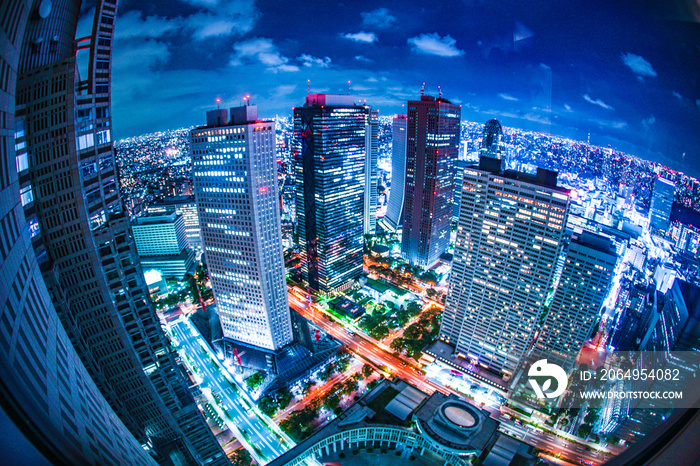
[348, 87]
[439, 93]
[422, 90]
[218, 101]
[308, 87]
[247, 97]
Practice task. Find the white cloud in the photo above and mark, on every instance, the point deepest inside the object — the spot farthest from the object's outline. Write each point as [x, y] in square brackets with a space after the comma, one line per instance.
[567, 107]
[648, 122]
[678, 95]
[308, 60]
[433, 44]
[261, 50]
[597, 102]
[379, 18]
[362, 36]
[508, 97]
[363, 58]
[131, 24]
[638, 64]
[616, 124]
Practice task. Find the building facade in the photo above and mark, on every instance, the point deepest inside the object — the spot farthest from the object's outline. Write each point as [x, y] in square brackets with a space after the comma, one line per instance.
[661, 202]
[161, 242]
[185, 206]
[509, 238]
[394, 211]
[235, 186]
[432, 148]
[330, 134]
[82, 234]
[48, 396]
[588, 270]
[371, 174]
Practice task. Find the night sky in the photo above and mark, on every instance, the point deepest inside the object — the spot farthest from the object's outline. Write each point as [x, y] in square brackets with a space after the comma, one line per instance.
[627, 72]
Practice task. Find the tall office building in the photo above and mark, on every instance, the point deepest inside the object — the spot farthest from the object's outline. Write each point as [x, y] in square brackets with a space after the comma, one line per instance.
[371, 174]
[509, 238]
[661, 203]
[82, 235]
[431, 154]
[185, 206]
[161, 242]
[583, 285]
[492, 144]
[459, 177]
[330, 134]
[394, 211]
[51, 410]
[235, 185]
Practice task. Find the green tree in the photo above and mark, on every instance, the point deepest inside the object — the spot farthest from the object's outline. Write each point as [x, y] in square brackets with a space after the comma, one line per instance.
[268, 405]
[584, 430]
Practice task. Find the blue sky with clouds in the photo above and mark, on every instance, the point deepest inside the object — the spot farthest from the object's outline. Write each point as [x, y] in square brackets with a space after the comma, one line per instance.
[627, 72]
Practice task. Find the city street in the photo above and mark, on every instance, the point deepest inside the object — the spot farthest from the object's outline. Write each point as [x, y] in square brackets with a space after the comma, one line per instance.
[260, 436]
[573, 450]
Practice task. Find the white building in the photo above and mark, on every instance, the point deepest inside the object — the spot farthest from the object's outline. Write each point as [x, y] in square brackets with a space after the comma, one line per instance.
[509, 238]
[235, 186]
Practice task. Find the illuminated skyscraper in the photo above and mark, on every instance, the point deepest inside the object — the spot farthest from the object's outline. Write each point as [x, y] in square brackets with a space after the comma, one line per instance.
[509, 238]
[394, 211]
[431, 154]
[492, 144]
[235, 185]
[661, 203]
[371, 175]
[330, 134]
[82, 236]
[583, 285]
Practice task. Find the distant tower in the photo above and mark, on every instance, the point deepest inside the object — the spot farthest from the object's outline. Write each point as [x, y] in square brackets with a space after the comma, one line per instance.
[371, 174]
[235, 185]
[661, 203]
[394, 210]
[583, 285]
[330, 134]
[431, 154]
[509, 238]
[492, 144]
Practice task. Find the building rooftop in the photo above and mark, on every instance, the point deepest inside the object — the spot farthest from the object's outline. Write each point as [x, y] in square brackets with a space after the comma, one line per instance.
[155, 218]
[174, 200]
[448, 420]
[543, 177]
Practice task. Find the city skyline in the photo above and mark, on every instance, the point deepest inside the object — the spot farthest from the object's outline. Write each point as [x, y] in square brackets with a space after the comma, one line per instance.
[297, 324]
[628, 91]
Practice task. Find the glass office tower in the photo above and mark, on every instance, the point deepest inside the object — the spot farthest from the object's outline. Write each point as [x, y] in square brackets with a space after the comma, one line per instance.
[661, 202]
[431, 154]
[329, 157]
[394, 211]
